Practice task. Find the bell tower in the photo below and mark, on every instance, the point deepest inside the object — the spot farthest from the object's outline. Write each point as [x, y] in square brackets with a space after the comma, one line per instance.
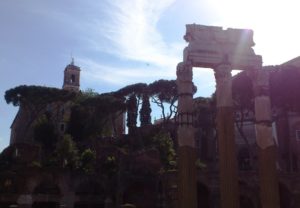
[72, 77]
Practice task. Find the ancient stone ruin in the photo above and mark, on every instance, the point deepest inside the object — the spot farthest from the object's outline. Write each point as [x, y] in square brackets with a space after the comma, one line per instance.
[224, 50]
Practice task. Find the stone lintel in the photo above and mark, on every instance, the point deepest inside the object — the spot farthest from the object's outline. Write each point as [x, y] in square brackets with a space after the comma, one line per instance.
[212, 60]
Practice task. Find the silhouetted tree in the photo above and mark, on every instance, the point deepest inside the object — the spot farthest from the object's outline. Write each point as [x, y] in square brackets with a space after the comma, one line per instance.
[204, 123]
[132, 95]
[34, 99]
[243, 100]
[88, 161]
[44, 133]
[163, 93]
[132, 113]
[66, 153]
[145, 112]
[91, 116]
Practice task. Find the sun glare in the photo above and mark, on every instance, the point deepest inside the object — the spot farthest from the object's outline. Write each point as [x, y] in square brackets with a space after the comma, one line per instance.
[275, 25]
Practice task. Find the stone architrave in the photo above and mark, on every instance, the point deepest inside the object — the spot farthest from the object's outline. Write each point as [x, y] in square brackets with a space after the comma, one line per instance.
[210, 46]
[187, 186]
[221, 50]
[269, 185]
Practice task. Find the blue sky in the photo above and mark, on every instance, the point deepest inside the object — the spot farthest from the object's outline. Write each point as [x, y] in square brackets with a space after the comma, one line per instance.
[120, 42]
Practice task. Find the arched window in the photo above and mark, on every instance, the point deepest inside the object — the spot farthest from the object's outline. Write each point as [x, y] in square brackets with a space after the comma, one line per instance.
[72, 78]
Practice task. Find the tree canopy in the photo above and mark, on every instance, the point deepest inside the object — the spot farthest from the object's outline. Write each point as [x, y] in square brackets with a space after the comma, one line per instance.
[36, 95]
[137, 89]
[164, 92]
[91, 115]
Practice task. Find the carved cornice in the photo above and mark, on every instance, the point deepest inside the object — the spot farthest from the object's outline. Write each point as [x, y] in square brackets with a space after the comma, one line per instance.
[222, 71]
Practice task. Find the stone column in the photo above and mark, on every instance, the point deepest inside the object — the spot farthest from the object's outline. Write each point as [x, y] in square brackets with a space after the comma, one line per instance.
[269, 190]
[187, 181]
[226, 140]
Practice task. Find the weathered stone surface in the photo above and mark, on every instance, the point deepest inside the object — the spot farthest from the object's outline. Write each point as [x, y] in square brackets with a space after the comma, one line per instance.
[185, 105]
[262, 108]
[228, 164]
[269, 190]
[187, 186]
[264, 137]
[221, 50]
[224, 85]
[210, 46]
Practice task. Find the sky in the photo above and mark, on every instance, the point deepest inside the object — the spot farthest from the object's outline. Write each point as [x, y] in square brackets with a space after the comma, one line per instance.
[121, 42]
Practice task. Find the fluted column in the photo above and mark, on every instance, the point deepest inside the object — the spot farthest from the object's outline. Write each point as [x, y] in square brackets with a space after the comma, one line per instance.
[226, 141]
[187, 180]
[269, 190]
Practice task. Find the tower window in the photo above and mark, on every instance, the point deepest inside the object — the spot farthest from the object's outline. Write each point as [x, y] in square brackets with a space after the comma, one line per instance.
[72, 78]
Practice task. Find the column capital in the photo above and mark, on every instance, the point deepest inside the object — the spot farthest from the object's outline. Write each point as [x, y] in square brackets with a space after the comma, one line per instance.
[223, 85]
[261, 82]
[222, 70]
[184, 72]
[185, 80]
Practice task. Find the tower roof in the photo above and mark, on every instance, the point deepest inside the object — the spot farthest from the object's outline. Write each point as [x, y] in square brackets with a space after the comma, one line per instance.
[72, 66]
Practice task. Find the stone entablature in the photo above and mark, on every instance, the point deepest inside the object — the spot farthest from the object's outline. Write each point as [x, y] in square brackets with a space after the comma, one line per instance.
[209, 46]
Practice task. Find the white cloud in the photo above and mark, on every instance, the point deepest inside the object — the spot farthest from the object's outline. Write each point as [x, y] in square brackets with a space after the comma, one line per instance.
[94, 71]
[122, 30]
[129, 32]
[133, 35]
